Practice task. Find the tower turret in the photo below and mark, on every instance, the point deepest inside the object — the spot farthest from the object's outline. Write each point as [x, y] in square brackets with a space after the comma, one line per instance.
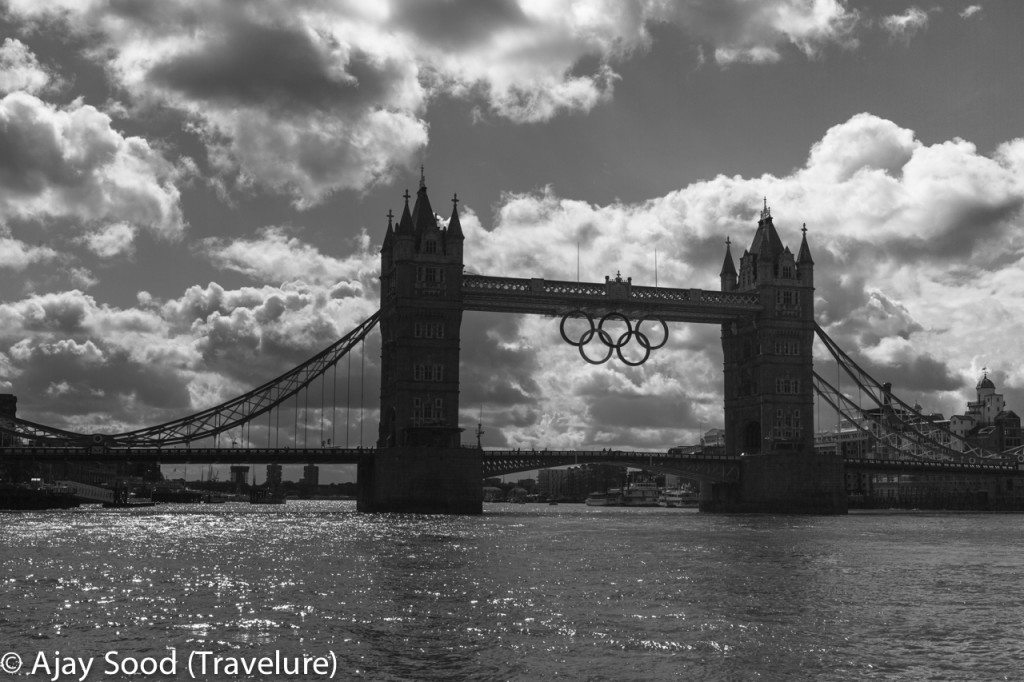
[804, 262]
[728, 273]
[453, 237]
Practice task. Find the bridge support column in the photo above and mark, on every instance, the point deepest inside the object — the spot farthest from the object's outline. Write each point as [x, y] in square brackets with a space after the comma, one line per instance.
[781, 483]
[421, 480]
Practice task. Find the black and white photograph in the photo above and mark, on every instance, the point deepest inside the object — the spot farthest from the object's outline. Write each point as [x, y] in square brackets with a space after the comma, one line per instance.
[511, 340]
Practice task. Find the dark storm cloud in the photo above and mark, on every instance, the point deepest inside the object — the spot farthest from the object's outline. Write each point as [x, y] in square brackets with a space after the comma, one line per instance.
[639, 411]
[456, 23]
[67, 378]
[968, 227]
[286, 66]
[920, 373]
[496, 367]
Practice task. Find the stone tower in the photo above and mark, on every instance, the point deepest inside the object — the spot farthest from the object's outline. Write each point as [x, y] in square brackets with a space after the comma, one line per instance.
[769, 392]
[421, 317]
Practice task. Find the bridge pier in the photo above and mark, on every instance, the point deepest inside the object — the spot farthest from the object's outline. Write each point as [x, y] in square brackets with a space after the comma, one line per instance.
[421, 480]
[781, 483]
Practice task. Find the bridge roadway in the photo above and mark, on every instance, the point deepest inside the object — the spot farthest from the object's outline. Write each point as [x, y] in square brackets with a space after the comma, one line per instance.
[695, 465]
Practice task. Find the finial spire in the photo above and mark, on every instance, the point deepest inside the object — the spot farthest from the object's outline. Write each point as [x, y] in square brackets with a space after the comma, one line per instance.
[804, 256]
[766, 212]
[406, 195]
[728, 242]
[423, 178]
[455, 200]
[390, 216]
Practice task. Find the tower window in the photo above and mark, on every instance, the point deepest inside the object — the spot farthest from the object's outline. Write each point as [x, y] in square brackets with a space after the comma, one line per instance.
[430, 246]
[429, 275]
[428, 330]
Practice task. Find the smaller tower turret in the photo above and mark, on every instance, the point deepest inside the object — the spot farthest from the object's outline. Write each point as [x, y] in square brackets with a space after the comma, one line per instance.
[804, 262]
[728, 273]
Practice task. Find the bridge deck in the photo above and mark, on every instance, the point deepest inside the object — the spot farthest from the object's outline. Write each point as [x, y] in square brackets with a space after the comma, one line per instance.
[495, 461]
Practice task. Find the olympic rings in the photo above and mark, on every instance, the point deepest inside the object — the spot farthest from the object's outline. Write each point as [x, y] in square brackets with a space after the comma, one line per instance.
[613, 345]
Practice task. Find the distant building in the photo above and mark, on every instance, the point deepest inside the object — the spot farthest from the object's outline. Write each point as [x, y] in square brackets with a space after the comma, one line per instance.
[987, 423]
[273, 475]
[239, 474]
[311, 476]
[713, 438]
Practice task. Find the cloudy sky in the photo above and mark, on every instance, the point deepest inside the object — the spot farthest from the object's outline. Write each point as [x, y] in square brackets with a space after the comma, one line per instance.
[193, 194]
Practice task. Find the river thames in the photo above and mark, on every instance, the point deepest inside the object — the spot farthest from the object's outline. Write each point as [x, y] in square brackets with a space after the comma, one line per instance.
[523, 592]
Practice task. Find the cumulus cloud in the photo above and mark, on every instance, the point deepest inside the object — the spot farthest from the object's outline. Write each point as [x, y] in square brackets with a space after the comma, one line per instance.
[111, 240]
[17, 255]
[905, 25]
[19, 68]
[307, 98]
[277, 257]
[69, 163]
[970, 11]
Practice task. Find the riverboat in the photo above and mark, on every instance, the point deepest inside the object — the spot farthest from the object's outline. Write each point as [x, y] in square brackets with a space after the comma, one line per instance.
[679, 497]
[640, 495]
[612, 498]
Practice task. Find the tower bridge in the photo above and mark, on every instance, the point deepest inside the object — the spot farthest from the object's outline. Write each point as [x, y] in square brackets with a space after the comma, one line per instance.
[764, 309]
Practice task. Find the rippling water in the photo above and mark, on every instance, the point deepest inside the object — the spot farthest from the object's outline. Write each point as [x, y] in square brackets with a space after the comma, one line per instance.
[525, 592]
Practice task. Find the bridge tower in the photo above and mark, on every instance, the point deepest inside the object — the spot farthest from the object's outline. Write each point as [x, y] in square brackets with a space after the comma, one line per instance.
[420, 465]
[769, 399]
[421, 316]
[769, 391]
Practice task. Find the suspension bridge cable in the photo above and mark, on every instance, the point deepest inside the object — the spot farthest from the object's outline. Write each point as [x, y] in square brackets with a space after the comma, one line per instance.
[322, 382]
[334, 404]
[277, 430]
[348, 401]
[295, 429]
[269, 417]
[362, 386]
[305, 417]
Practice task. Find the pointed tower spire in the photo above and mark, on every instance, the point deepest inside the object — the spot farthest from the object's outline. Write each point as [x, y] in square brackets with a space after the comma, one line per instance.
[455, 225]
[766, 244]
[728, 273]
[423, 219]
[405, 224]
[728, 268]
[389, 236]
[804, 256]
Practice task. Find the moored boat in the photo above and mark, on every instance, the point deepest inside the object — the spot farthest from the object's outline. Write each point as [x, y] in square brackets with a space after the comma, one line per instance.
[679, 497]
[612, 498]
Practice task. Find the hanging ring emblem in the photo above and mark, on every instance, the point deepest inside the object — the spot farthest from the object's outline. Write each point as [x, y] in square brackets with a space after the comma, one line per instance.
[611, 344]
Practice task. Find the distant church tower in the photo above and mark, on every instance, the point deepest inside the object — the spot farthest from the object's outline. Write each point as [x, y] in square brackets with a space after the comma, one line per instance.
[769, 399]
[421, 317]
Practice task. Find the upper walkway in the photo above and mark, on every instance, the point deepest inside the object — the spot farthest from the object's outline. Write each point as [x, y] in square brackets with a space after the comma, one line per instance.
[552, 297]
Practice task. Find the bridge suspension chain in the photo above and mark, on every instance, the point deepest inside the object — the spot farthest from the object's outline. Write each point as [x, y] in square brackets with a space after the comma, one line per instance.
[903, 428]
[215, 420]
[896, 441]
